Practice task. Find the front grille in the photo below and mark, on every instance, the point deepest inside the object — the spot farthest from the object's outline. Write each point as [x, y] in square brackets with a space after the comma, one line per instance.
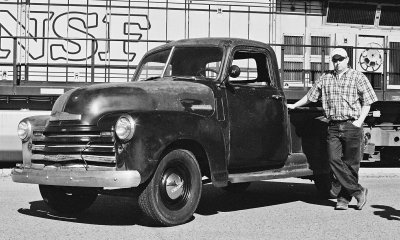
[71, 142]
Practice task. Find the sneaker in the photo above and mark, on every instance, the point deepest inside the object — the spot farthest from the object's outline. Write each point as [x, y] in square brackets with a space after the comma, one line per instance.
[342, 204]
[361, 198]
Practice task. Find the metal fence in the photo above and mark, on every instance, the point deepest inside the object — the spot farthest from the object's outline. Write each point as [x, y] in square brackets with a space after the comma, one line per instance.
[377, 64]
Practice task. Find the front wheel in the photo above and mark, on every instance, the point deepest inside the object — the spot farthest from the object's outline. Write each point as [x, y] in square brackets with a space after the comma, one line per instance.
[68, 199]
[173, 194]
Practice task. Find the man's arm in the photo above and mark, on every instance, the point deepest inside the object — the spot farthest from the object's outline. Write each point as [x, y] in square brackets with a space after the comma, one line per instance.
[368, 97]
[364, 113]
[312, 96]
[303, 101]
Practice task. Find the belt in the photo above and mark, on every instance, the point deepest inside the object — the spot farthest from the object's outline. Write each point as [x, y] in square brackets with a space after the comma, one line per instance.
[334, 122]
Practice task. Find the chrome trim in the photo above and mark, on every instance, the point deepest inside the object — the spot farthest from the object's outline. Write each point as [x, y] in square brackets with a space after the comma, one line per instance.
[174, 186]
[38, 147]
[201, 107]
[133, 124]
[29, 130]
[75, 176]
[82, 134]
[42, 146]
[70, 157]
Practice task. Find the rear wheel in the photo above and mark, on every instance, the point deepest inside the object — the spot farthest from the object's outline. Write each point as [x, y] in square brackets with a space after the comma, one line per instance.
[68, 199]
[173, 193]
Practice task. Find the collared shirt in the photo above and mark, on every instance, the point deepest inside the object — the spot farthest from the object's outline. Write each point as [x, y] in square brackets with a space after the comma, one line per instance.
[343, 98]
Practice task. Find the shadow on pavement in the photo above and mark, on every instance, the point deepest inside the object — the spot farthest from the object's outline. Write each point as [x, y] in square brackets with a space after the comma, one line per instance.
[387, 212]
[107, 210]
[259, 194]
[112, 210]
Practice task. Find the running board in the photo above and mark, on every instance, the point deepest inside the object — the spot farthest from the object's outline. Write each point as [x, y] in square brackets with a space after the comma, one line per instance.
[292, 168]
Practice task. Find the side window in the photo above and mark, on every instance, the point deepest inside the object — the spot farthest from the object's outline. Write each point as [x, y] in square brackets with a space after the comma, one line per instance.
[248, 69]
[253, 68]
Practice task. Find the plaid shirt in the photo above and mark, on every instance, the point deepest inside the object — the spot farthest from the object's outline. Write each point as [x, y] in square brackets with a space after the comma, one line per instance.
[343, 98]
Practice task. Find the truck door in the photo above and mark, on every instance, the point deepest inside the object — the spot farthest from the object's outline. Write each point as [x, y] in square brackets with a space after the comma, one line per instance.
[257, 112]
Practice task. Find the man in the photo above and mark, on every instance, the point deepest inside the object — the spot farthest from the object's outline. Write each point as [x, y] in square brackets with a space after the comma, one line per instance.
[346, 96]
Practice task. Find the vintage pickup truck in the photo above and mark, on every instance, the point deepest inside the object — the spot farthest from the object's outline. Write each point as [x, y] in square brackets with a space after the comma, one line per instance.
[196, 110]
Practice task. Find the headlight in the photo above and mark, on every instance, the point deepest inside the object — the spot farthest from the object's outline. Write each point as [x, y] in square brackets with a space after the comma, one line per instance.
[24, 130]
[125, 127]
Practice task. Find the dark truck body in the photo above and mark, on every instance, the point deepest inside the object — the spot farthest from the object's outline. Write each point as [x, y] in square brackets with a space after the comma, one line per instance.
[187, 124]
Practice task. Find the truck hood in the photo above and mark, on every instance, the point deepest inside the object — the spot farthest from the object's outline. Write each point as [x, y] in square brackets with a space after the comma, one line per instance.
[89, 103]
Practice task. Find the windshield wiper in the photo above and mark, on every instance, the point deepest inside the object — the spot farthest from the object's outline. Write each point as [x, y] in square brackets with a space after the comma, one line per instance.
[185, 78]
[151, 78]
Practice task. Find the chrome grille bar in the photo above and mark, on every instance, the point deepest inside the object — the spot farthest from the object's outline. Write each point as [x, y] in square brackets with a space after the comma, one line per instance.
[73, 157]
[71, 141]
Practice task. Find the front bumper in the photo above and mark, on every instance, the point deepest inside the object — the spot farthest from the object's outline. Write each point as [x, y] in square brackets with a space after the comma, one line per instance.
[75, 176]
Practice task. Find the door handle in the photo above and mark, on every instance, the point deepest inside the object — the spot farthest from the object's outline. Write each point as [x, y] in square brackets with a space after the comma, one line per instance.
[277, 97]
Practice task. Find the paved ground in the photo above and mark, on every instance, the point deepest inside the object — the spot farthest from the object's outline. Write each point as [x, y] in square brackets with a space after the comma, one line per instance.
[283, 209]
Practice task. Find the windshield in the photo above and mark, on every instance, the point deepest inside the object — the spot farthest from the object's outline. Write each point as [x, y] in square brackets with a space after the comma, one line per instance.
[185, 62]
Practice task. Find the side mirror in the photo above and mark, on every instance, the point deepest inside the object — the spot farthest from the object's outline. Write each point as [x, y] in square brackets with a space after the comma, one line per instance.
[234, 71]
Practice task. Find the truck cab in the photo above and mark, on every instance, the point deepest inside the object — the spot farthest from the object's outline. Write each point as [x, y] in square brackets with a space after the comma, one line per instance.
[196, 110]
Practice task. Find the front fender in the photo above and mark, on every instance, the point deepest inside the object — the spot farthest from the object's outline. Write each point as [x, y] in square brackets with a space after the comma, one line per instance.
[155, 132]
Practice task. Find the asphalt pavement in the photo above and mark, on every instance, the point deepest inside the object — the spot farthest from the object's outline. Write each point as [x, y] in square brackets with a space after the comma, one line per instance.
[278, 209]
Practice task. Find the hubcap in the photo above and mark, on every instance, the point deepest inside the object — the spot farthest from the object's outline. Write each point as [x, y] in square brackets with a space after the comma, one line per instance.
[174, 186]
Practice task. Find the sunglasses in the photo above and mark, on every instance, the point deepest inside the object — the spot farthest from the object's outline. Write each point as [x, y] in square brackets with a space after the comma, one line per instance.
[339, 59]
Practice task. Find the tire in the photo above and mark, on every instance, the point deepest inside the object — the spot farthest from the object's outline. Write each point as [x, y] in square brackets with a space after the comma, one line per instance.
[327, 185]
[68, 199]
[173, 205]
[237, 187]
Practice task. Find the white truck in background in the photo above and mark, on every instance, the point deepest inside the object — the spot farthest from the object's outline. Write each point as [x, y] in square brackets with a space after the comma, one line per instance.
[10, 143]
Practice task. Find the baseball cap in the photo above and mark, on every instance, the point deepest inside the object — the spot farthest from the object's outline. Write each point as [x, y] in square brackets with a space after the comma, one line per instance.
[338, 53]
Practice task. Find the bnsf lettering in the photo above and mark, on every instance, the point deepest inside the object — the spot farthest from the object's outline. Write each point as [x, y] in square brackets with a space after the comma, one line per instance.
[75, 31]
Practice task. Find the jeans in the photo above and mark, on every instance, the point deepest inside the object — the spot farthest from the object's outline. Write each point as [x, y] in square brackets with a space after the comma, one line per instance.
[345, 149]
